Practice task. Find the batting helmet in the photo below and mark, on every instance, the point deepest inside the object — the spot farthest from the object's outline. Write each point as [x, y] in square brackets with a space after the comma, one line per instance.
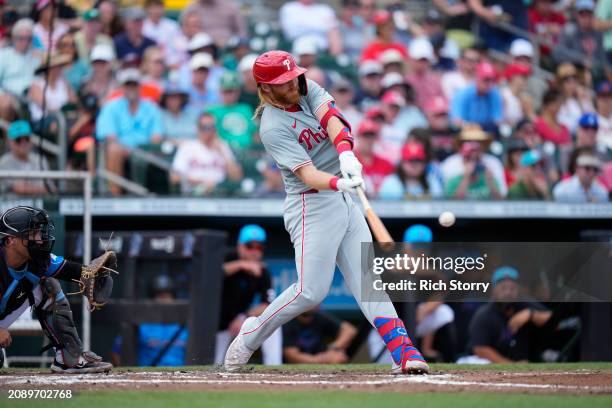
[276, 67]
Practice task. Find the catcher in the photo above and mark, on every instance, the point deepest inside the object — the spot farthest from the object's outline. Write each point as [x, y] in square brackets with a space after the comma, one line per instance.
[29, 275]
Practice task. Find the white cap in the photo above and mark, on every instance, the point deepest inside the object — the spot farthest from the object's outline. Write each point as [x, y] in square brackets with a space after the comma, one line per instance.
[200, 40]
[201, 60]
[305, 46]
[128, 75]
[102, 52]
[521, 48]
[391, 79]
[391, 56]
[421, 48]
[368, 67]
[247, 62]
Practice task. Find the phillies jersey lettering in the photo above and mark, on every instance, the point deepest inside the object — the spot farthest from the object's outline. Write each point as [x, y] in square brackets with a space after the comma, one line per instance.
[296, 139]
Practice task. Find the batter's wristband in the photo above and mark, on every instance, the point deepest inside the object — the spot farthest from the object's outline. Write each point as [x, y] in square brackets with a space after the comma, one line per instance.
[344, 136]
[333, 183]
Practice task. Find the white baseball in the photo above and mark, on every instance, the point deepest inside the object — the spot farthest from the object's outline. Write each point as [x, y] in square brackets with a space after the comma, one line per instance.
[446, 219]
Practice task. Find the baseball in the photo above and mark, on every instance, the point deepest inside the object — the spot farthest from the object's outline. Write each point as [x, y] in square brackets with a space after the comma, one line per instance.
[446, 219]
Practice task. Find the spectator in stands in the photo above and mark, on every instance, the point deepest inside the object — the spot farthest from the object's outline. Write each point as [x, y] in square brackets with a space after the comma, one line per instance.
[153, 68]
[479, 103]
[233, 118]
[200, 96]
[400, 118]
[412, 180]
[517, 102]
[249, 86]
[502, 331]
[272, 185]
[392, 62]
[604, 115]
[305, 50]
[46, 18]
[440, 134]
[603, 23]
[471, 173]
[495, 11]
[220, 18]
[301, 18]
[515, 147]
[131, 45]
[425, 82]
[522, 52]
[586, 132]
[305, 339]
[127, 122]
[101, 81]
[576, 98]
[247, 291]
[176, 50]
[546, 23]
[547, 125]
[77, 70]
[343, 93]
[90, 34]
[180, 121]
[454, 81]
[385, 38]
[19, 60]
[583, 186]
[57, 91]
[202, 164]
[355, 30]
[582, 44]
[235, 49]
[109, 17]
[21, 157]
[375, 168]
[202, 43]
[370, 76]
[458, 13]
[531, 182]
[160, 29]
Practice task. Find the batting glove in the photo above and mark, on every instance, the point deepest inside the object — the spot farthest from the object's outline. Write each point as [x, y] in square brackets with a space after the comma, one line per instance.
[349, 165]
[350, 185]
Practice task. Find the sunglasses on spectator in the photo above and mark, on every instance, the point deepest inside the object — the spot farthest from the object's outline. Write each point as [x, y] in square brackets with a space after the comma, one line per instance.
[158, 61]
[591, 169]
[368, 134]
[23, 38]
[206, 128]
[415, 161]
[593, 128]
[255, 245]
[570, 77]
[22, 139]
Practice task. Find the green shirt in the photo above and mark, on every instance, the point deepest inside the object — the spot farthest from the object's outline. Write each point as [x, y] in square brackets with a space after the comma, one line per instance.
[234, 124]
[519, 191]
[477, 190]
[604, 12]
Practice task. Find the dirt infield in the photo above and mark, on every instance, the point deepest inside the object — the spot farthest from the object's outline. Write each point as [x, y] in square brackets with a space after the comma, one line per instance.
[576, 382]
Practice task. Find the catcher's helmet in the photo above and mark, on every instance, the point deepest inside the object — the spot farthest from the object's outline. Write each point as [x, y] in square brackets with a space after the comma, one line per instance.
[276, 67]
[24, 222]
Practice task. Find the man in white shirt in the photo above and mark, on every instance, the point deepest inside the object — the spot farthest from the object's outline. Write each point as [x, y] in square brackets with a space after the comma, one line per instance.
[583, 186]
[454, 81]
[200, 165]
[159, 28]
[308, 18]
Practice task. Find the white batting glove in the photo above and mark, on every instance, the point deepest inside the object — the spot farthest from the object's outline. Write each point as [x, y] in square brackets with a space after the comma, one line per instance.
[350, 185]
[349, 165]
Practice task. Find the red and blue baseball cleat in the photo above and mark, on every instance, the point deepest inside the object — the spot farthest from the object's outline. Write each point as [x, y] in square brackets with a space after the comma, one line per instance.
[406, 358]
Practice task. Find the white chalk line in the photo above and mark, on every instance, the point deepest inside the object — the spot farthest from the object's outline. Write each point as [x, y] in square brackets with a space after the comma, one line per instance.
[269, 379]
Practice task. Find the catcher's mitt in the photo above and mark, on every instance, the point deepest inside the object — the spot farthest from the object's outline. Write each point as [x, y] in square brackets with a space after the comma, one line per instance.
[96, 281]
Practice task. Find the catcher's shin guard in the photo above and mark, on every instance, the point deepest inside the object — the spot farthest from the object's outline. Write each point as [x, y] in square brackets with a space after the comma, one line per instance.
[57, 323]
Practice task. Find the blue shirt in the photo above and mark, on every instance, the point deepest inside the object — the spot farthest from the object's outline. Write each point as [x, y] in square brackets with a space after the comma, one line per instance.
[153, 337]
[468, 106]
[131, 130]
[125, 49]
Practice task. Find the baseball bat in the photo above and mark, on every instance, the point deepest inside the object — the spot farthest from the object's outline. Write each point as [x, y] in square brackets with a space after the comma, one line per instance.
[378, 228]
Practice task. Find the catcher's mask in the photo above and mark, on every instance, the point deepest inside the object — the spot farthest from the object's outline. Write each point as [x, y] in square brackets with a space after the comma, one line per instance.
[34, 228]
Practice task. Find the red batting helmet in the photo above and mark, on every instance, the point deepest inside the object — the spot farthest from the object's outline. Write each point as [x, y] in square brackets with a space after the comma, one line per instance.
[276, 67]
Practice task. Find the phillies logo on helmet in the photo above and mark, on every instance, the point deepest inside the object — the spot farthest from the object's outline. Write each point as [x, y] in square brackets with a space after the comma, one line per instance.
[276, 67]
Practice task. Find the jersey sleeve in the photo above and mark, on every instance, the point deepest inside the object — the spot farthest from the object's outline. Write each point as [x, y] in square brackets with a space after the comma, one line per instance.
[316, 96]
[285, 149]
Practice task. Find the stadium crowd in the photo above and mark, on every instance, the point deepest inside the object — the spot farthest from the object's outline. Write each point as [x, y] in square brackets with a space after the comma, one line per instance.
[445, 103]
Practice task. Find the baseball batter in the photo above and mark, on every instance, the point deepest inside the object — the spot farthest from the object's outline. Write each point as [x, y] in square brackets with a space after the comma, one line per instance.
[311, 143]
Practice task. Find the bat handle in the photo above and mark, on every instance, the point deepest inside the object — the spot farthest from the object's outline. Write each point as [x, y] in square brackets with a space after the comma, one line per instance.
[364, 200]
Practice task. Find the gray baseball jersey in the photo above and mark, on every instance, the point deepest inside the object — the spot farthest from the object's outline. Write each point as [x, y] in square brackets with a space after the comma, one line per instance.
[296, 138]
